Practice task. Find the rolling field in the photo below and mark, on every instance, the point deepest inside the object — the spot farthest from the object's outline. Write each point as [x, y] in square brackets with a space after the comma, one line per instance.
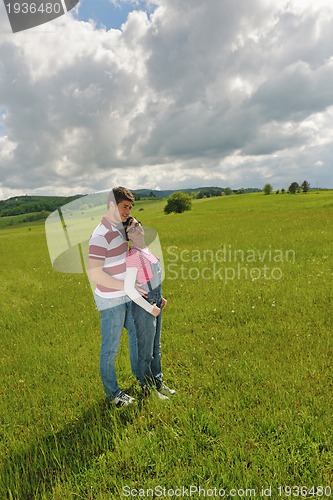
[247, 344]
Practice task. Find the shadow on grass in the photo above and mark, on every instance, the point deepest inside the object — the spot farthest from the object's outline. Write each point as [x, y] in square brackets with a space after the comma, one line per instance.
[33, 471]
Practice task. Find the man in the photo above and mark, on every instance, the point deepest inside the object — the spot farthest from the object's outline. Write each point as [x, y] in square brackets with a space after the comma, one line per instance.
[107, 268]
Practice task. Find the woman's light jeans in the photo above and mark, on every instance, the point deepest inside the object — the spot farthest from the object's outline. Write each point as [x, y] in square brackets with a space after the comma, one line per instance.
[148, 331]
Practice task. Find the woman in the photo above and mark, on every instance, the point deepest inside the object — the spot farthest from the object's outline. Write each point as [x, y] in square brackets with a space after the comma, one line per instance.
[143, 267]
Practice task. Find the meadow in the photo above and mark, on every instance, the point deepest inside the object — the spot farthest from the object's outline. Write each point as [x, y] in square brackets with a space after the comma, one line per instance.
[247, 344]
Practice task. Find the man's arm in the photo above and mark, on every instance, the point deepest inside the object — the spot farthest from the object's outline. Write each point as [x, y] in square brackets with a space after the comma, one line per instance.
[97, 275]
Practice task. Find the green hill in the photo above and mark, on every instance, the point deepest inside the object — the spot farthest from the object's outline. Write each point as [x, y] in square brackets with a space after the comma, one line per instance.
[19, 205]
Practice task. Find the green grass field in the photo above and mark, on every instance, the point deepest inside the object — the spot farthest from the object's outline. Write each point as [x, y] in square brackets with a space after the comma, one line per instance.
[247, 343]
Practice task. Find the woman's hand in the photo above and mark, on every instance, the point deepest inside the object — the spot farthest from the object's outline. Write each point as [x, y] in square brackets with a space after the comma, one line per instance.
[164, 303]
[156, 310]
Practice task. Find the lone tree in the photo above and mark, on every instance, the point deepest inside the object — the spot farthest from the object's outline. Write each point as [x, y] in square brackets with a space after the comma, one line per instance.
[293, 187]
[305, 186]
[178, 202]
[267, 189]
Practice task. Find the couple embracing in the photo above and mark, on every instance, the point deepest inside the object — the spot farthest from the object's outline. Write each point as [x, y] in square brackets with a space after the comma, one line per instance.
[128, 294]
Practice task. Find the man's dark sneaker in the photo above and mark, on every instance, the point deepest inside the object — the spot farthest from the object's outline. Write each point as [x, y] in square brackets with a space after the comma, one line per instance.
[123, 400]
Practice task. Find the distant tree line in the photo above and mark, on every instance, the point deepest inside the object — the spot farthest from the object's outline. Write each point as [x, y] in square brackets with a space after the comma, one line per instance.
[293, 188]
[211, 192]
[208, 193]
[198, 193]
[143, 196]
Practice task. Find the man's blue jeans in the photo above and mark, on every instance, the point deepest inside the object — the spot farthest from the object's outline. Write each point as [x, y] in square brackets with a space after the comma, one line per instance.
[114, 315]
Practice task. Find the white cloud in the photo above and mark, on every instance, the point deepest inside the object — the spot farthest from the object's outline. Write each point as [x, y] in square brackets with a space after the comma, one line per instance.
[224, 93]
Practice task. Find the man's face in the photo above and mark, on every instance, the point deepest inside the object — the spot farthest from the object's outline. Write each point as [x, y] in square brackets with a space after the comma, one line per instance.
[124, 209]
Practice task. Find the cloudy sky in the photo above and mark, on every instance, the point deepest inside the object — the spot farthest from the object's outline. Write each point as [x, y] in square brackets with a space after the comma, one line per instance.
[168, 94]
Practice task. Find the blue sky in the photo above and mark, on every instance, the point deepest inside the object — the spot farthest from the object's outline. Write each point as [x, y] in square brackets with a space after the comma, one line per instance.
[107, 13]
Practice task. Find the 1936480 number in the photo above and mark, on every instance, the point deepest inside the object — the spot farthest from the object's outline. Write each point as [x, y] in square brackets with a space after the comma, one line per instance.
[33, 8]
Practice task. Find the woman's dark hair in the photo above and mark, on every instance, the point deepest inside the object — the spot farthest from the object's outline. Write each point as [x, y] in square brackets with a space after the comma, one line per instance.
[126, 224]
